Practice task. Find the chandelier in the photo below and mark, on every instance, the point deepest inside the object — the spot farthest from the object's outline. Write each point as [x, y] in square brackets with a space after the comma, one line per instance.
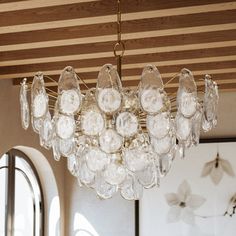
[115, 138]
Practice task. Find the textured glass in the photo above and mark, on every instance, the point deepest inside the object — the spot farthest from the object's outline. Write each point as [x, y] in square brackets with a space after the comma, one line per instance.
[72, 164]
[65, 126]
[25, 116]
[46, 132]
[131, 189]
[188, 104]
[183, 127]
[69, 95]
[66, 146]
[109, 100]
[70, 101]
[108, 89]
[136, 159]
[104, 190]
[110, 141]
[210, 105]
[148, 176]
[159, 125]
[39, 97]
[96, 159]
[151, 94]
[164, 145]
[114, 174]
[56, 149]
[126, 124]
[92, 120]
[85, 175]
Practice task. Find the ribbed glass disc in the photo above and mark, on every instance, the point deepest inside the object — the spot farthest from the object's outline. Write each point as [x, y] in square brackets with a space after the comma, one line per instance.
[65, 126]
[162, 146]
[40, 103]
[69, 101]
[92, 122]
[110, 141]
[109, 100]
[158, 125]
[127, 124]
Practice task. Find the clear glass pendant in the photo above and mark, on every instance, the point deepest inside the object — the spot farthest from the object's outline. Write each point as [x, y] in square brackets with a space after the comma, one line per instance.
[136, 159]
[183, 127]
[72, 164]
[151, 91]
[85, 175]
[104, 189]
[148, 177]
[159, 125]
[115, 173]
[69, 95]
[25, 116]
[39, 97]
[56, 149]
[109, 90]
[110, 141]
[96, 159]
[65, 126]
[131, 189]
[126, 124]
[46, 132]
[92, 120]
[67, 146]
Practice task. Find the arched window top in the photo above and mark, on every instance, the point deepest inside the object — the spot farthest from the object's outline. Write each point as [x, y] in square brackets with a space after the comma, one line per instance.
[21, 201]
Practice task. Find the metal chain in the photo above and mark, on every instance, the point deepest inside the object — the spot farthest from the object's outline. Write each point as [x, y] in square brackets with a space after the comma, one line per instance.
[119, 44]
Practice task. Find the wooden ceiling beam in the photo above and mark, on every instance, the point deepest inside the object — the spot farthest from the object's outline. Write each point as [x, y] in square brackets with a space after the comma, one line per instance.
[75, 52]
[142, 25]
[86, 9]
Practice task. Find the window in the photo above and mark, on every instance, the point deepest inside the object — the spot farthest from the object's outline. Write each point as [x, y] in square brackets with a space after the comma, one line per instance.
[21, 198]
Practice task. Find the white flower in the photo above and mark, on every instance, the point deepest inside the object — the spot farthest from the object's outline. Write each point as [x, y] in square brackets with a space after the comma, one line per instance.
[216, 169]
[183, 203]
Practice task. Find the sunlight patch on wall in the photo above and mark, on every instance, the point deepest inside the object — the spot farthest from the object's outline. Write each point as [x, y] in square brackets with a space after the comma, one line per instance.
[82, 227]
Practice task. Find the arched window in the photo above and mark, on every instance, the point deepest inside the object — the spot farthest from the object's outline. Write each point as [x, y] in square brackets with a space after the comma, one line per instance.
[21, 197]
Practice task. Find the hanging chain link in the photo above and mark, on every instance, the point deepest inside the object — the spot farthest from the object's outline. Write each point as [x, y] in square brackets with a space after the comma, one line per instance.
[119, 46]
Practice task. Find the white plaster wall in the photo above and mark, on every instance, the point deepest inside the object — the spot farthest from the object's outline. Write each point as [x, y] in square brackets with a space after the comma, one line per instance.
[85, 212]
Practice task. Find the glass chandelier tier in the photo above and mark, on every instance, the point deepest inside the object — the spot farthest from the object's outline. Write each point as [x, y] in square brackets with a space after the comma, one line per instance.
[117, 138]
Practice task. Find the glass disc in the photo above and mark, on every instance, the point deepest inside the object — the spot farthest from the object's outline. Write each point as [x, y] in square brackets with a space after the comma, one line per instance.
[151, 100]
[188, 104]
[65, 126]
[66, 146]
[148, 176]
[158, 125]
[162, 146]
[46, 132]
[96, 159]
[92, 123]
[183, 127]
[85, 175]
[131, 189]
[69, 102]
[105, 190]
[40, 103]
[127, 124]
[109, 100]
[114, 174]
[110, 141]
[136, 159]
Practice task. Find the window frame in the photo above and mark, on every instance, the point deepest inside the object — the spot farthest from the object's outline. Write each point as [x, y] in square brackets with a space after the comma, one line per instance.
[10, 190]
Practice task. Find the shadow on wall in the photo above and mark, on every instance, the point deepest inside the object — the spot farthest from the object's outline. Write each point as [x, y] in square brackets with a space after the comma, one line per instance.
[82, 227]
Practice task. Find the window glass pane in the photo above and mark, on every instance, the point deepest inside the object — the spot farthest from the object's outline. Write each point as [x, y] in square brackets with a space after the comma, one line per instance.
[22, 165]
[24, 210]
[3, 175]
